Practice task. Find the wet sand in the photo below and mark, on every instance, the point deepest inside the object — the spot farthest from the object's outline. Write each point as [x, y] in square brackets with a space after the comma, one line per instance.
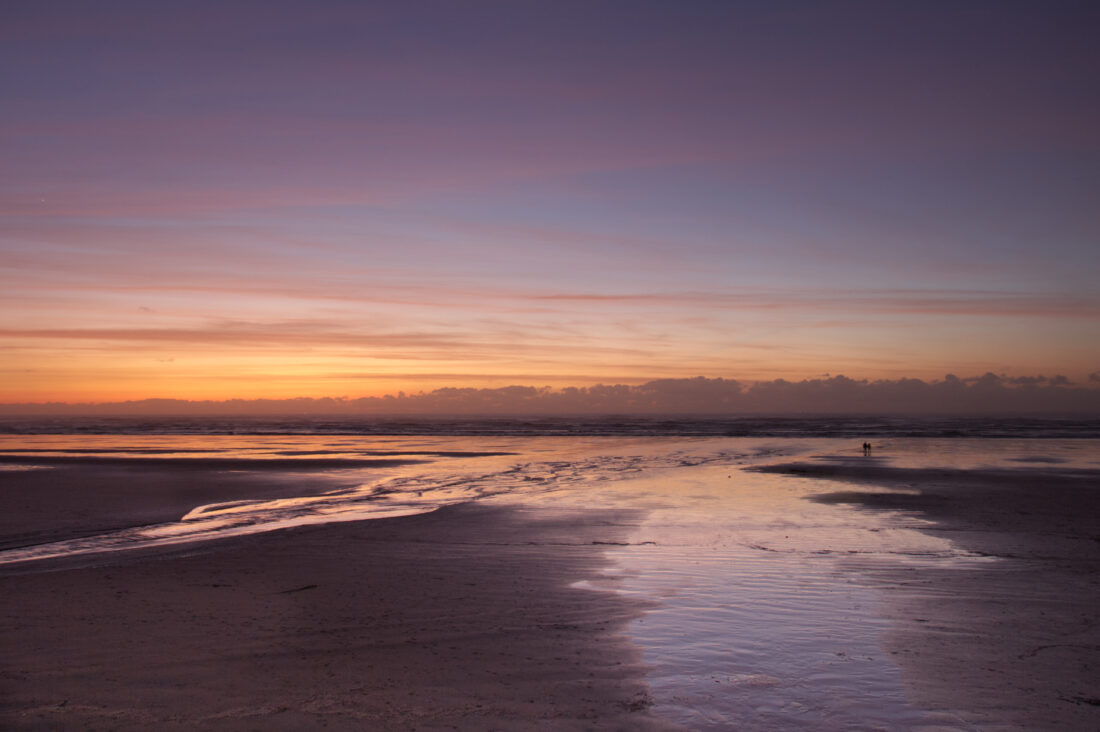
[461, 618]
[1014, 644]
[466, 618]
[89, 497]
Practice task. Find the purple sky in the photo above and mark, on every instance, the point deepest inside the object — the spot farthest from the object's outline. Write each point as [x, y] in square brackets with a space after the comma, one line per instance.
[276, 199]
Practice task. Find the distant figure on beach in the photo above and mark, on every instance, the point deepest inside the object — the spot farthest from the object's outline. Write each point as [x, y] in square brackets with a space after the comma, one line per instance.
[866, 448]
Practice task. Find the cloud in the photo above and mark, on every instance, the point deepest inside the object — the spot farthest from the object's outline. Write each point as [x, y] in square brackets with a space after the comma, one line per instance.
[281, 335]
[911, 302]
[985, 394]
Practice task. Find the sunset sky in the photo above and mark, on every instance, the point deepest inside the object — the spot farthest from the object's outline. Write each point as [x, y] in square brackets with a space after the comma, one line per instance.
[211, 200]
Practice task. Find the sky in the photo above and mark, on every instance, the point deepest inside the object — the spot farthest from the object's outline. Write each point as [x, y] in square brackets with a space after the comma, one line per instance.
[271, 200]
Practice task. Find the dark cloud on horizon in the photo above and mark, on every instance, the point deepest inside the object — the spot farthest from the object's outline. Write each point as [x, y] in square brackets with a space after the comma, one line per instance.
[986, 394]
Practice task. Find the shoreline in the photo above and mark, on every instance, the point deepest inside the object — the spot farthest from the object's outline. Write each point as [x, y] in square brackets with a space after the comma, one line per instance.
[1013, 644]
[463, 616]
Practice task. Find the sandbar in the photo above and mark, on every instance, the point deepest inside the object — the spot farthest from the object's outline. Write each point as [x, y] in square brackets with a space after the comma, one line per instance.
[71, 500]
[1009, 643]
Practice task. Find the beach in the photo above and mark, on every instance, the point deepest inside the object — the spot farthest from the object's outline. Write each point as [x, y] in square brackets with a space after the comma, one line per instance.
[560, 584]
[1015, 644]
[457, 618]
[72, 500]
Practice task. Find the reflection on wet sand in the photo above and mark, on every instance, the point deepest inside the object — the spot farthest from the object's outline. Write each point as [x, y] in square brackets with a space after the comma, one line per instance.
[758, 626]
[763, 609]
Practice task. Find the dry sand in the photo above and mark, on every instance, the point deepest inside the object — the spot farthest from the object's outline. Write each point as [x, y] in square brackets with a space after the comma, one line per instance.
[1014, 644]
